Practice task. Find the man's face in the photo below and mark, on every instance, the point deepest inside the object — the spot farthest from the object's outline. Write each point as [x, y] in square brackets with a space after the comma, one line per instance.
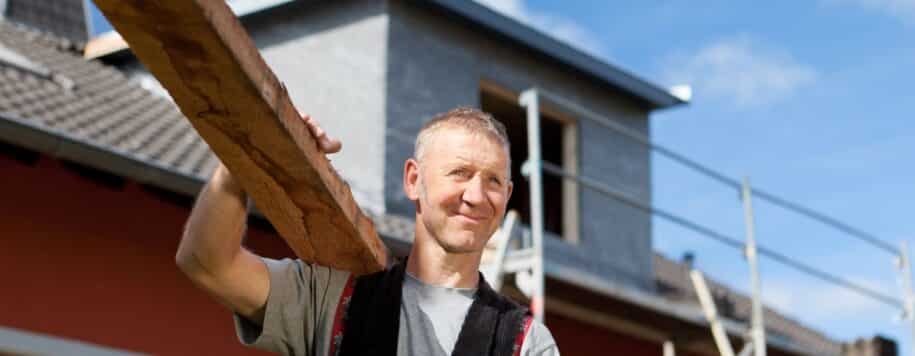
[461, 188]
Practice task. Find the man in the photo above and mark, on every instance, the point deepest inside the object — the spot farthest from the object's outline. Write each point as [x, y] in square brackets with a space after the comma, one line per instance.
[434, 304]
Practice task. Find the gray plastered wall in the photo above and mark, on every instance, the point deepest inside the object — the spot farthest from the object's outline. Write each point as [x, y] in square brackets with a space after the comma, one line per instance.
[436, 63]
[330, 56]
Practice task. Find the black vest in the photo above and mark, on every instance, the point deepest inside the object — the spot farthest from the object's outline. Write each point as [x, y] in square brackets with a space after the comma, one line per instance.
[372, 320]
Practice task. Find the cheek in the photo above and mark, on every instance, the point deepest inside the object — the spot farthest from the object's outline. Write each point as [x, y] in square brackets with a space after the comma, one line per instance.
[446, 196]
[499, 200]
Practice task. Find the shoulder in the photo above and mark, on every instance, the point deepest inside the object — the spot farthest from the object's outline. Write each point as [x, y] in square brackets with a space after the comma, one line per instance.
[539, 341]
[499, 301]
[294, 282]
[296, 269]
[300, 306]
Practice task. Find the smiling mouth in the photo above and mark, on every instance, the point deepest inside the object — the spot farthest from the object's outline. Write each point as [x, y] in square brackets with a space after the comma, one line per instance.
[472, 218]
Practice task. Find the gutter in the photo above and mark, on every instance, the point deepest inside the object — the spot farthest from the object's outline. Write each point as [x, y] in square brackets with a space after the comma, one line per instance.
[22, 342]
[60, 144]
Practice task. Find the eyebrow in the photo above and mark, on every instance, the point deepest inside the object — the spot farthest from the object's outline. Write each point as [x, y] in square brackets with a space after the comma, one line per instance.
[467, 162]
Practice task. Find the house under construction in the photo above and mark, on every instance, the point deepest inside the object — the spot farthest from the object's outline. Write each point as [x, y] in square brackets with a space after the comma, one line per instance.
[100, 171]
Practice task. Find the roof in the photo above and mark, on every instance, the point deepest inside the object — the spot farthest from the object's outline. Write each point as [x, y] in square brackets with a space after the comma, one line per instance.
[65, 18]
[674, 284]
[557, 50]
[106, 121]
[505, 27]
[101, 110]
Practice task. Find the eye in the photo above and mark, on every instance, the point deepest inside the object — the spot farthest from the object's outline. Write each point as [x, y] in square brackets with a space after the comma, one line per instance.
[460, 172]
[495, 180]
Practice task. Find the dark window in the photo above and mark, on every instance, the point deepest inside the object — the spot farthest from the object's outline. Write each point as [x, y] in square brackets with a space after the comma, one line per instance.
[552, 147]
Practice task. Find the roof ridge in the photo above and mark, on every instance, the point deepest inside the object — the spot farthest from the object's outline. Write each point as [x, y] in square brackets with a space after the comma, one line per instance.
[61, 43]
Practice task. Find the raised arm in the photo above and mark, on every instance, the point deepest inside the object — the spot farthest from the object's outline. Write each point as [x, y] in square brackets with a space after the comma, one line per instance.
[210, 252]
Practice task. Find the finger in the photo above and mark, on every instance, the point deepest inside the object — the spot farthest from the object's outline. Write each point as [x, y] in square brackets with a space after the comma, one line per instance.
[318, 132]
[325, 143]
[311, 123]
[330, 145]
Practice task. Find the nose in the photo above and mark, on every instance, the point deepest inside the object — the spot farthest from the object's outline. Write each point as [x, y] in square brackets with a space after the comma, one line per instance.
[474, 193]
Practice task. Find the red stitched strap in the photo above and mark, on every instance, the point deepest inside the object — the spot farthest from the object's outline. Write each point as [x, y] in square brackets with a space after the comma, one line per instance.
[337, 332]
[519, 340]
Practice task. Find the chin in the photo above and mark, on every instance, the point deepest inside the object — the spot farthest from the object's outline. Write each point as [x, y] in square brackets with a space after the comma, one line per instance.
[463, 242]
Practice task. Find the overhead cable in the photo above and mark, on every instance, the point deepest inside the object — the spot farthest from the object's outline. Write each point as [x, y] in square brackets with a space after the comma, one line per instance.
[720, 177]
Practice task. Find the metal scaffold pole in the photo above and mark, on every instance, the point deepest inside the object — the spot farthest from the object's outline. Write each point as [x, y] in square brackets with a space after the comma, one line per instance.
[667, 348]
[905, 270]
[534, 169]
[757, 327]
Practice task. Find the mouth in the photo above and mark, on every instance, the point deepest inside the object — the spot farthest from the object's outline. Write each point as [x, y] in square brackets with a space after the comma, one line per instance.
[471, 218]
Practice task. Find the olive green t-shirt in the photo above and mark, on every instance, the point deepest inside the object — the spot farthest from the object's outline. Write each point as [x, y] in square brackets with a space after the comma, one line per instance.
[303, 299]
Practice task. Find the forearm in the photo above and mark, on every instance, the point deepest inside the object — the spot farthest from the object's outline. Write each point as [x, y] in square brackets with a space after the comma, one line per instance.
[213, 234]
[210, 252]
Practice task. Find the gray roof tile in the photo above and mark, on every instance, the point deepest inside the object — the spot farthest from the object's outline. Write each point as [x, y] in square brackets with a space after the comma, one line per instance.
[105, 107]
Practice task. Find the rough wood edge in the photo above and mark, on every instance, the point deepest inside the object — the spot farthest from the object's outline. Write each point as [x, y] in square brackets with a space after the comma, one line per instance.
[202, 55]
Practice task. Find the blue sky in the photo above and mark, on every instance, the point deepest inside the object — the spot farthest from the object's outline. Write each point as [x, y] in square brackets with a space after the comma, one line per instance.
[97, 22]
[811, 100]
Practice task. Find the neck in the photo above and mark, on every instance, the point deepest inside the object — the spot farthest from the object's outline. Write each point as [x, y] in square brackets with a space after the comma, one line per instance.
[431, 264]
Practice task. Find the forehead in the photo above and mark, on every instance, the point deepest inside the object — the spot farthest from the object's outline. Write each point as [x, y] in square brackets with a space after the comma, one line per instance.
[449, 144]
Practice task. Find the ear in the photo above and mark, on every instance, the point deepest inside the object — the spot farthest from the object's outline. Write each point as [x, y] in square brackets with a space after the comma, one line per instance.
[411, 179]
[511, 187]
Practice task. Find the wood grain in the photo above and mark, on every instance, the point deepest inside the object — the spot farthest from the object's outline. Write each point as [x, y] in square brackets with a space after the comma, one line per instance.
[202, 55]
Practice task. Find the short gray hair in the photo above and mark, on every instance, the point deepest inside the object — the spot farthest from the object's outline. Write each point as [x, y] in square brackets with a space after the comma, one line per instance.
[468, 118]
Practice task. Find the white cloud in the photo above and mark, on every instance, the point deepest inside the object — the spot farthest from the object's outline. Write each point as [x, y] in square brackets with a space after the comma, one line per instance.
[824, 304]
[558, 27]
[740, 70]
[902, 9]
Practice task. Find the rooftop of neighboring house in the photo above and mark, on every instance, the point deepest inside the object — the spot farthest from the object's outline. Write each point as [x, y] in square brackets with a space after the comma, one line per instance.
[55, 102]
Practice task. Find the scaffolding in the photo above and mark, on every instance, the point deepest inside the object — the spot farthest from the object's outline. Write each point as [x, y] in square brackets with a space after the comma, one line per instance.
[528, 260]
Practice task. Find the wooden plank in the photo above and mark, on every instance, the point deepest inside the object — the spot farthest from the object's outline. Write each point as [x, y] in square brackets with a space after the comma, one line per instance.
[200, 52]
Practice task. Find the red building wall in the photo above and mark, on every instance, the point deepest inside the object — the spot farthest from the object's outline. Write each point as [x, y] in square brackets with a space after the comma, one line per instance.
[89, 261]
[579, 338]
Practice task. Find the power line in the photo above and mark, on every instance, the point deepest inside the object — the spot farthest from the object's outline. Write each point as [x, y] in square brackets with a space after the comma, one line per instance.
[720, 177]
[722, 238]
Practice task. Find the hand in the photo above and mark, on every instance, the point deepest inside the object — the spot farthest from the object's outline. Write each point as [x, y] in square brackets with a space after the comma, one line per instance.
[326, 143]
